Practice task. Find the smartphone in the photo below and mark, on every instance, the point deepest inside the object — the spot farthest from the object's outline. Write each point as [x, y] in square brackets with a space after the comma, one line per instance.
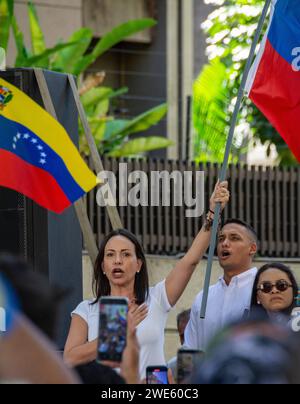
[157, 375]
[112, 328]
[9, 305]
[187, 361]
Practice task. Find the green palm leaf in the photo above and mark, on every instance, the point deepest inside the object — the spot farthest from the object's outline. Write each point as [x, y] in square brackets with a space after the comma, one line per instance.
[66, 60]
[6, 13]
[141, 145]
[115, 36]
[210, 113]
[40, 60]
[140, 123]
[22, 52]
[37, 37]
[95, 95]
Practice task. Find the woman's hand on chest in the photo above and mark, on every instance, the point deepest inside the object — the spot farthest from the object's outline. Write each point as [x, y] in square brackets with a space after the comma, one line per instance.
[137, 313]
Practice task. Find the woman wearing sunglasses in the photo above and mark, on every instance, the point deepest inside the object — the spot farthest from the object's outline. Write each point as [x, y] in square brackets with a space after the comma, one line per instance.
[275, 291]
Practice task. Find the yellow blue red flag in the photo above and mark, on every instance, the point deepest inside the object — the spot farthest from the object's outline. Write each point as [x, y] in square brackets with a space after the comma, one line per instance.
[37, 156]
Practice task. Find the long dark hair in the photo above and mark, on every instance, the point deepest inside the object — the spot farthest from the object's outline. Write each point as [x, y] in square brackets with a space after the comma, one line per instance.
[101, 286]
[283, 268]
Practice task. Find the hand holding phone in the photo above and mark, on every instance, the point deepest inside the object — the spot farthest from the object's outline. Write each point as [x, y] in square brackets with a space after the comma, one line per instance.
[112, 328]
[157, 375]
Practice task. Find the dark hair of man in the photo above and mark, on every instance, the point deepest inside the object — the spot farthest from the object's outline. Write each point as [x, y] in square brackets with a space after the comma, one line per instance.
[101, 284]
[183, 316]
[38, 299]
[250, 230]
[95, 373]
[286, 270]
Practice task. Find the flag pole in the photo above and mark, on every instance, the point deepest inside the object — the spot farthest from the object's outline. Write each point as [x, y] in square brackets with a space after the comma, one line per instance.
[80, 210]
[112, 211]
[222, 176]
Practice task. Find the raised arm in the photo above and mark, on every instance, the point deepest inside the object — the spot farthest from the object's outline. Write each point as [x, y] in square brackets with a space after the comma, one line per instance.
[179, 277]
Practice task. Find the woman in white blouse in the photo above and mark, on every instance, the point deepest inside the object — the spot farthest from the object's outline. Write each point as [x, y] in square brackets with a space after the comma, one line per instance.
[121, 270]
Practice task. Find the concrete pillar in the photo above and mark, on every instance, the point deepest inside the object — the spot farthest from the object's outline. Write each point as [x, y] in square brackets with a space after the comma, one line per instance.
[173, 76]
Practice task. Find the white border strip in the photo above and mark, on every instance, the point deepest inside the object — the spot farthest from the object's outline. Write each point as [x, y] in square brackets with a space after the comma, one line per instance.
[256, 63]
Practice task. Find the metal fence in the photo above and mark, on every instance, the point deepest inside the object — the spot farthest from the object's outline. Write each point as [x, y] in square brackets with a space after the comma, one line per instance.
[266, 198]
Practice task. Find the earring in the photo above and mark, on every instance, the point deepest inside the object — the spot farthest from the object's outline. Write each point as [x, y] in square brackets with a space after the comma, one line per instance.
[258, 302]
[104, 273]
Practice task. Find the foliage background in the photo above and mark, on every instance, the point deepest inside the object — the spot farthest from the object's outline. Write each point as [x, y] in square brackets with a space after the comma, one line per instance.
[75, 56]
[230, 30]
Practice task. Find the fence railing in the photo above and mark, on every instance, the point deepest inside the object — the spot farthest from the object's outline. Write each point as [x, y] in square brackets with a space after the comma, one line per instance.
[266, 198]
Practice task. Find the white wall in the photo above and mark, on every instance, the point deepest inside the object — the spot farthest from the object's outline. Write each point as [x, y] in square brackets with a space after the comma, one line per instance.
[103, 15]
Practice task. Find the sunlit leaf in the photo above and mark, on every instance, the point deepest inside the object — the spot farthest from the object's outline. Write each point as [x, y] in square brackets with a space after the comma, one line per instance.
[40, 60]
[37, 36]
[113, 37]
[22, 52]
[230, 29]
[95, 95]
[142, 122]
[141, 145]
[6, 13]
[66, 59]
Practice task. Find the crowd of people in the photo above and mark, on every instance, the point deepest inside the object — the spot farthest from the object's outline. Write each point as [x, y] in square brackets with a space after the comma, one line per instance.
[246, 335]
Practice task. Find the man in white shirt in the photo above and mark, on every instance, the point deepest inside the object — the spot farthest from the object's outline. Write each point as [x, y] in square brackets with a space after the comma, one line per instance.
[230, 297]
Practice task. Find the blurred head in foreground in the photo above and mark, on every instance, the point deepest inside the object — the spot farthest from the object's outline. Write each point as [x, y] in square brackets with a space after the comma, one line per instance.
[256, 351]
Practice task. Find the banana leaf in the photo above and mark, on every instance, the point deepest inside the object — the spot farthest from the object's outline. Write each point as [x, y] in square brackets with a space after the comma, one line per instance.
[95, 95]
[22, 52]
[118, 93]
[38, 44]
[140, 123]
[113, 127]
[102, 109]
[141, 145]
[37, 60]
[115, 36]
[6, 13]
[67, 58]
[210, 103]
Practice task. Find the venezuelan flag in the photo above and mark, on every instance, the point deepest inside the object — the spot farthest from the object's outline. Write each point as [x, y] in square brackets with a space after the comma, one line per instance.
[37, 157]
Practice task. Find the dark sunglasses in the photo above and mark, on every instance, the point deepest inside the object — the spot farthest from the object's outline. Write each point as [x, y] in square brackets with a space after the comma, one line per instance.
[281, 286]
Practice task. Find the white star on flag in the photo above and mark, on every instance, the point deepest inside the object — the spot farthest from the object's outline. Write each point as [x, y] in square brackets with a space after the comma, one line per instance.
[42, 161]
[43, 155]
[40, 147]
[33, 140]
[26, 136]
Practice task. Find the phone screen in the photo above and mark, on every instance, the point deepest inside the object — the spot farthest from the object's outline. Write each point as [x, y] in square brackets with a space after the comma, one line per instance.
[187, 361]
[8, 306]
[157, 375]
[112, 328]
